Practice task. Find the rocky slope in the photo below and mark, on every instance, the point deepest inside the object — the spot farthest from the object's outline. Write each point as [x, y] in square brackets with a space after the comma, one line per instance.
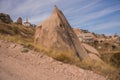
[18, 64]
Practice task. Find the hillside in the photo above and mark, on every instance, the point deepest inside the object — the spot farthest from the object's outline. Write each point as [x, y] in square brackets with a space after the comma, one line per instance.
[21, 59]
[18, 64]
[16, 32]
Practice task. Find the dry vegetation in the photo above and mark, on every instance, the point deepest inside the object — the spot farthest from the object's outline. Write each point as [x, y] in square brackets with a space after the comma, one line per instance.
[16, 33]
[25, 36]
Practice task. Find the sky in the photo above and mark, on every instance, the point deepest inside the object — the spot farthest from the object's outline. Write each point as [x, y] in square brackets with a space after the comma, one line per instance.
[99, 16]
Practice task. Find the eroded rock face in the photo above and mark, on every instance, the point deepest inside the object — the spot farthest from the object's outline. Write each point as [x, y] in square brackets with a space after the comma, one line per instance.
[93, 53]
[5, 18]
[19, 21]
[56, 32]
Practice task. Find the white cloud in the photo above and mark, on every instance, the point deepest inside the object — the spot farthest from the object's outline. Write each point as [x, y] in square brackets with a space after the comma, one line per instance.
[32, 6]
[38, 19]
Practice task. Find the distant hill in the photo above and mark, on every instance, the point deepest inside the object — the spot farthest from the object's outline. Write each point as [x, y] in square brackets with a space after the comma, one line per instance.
[14, 31]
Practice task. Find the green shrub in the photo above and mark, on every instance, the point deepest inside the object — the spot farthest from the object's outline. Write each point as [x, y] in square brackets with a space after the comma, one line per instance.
[25, 50]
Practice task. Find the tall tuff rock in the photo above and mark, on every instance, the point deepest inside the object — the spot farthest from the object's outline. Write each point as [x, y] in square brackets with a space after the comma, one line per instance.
[56, 33]
[5, 18]
[19, 21]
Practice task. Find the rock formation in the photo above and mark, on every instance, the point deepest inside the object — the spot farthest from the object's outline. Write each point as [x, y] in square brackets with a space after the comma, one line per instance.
[57, 33]
[5, 18]
[19, 21]
[77, 31]
[92, 52]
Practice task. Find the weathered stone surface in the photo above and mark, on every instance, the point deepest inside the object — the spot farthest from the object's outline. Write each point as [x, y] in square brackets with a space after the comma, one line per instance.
[56, 32]
[95, 57]
[5, 18]
[91, 49]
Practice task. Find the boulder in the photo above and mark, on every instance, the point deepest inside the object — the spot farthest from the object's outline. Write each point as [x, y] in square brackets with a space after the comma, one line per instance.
[90, 49]
[5, 18]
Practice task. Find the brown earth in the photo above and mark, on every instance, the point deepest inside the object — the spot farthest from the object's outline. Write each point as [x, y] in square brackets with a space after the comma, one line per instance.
[18, 64]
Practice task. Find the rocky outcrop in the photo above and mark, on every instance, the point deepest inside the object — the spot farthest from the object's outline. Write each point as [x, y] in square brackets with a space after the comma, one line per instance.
[77, 31]
[5, 18]
[19, 21]
[57, 33]
[92, 52]
[91, 49]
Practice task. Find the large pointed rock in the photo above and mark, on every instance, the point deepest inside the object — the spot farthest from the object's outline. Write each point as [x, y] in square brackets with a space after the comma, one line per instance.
[56, 33]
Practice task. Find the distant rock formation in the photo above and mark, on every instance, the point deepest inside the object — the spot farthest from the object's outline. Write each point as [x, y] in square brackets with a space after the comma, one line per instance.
[93, 53]
[57, 33]
[19, 21]
[27, 23]
[5, 18]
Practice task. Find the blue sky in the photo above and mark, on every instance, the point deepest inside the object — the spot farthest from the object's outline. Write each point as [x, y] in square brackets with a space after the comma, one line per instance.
[99, 16]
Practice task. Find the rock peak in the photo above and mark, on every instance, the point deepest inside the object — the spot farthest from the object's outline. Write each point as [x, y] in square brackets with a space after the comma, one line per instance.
[56, 10]
[56, 33]
[55, 6]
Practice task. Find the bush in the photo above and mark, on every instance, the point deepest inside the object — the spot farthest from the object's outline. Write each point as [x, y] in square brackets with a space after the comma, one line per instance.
[115, 60]
[24, 50]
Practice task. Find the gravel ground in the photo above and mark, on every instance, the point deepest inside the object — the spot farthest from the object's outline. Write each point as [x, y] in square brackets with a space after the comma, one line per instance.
[18, 65]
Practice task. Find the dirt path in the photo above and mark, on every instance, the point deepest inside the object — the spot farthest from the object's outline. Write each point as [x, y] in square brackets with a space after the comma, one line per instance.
[15, 65]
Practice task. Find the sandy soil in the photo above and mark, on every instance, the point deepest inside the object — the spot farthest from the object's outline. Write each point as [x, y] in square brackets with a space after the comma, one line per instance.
[16, 65]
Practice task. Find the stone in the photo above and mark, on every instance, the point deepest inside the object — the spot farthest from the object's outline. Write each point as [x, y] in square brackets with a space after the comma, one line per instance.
[90, 49]
[56, 33]
[5, 18]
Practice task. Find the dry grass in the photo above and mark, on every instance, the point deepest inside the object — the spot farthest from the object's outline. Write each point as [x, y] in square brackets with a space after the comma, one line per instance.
[16, 33]
[67, 57]
[14, 29]
[104, 69]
